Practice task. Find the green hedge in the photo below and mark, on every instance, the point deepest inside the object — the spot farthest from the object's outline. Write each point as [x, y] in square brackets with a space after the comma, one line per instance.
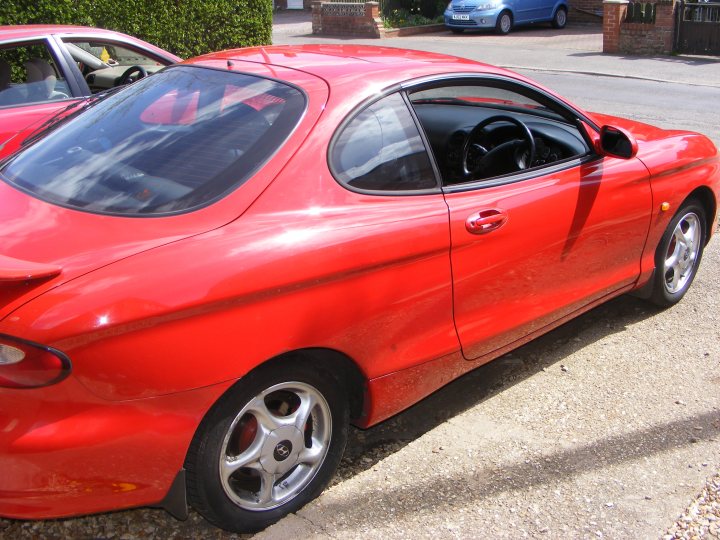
[184, 27]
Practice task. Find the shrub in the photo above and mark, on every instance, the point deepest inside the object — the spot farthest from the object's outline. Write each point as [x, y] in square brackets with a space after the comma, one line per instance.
[184, 27]
[400, 18]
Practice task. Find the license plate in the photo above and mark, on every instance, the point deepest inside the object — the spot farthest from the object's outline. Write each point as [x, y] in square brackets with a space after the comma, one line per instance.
[457, 17]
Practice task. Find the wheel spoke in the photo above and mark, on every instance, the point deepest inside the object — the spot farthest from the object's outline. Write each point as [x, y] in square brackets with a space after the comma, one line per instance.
[689, 235]
[674, 277]
[672, 260]
[300, 417]
[310, 456]
[267, 483]
[266, 420]
[681, 239]
[249, 459]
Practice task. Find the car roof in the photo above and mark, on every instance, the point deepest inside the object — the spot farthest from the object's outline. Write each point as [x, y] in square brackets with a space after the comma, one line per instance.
[357, 66]
[38, 31]
[31, 30]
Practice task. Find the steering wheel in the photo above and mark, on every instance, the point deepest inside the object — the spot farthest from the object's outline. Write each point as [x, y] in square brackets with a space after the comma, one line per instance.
[476, 158]
[127, 76]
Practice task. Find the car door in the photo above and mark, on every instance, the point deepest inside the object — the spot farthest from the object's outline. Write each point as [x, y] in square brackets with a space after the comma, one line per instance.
[522, 10]
[531, 246]
[543, 10]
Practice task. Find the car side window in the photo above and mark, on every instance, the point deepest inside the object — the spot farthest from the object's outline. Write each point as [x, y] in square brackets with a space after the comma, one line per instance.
[493, 128]
[381, 149]
[29, 74]
[103, 63]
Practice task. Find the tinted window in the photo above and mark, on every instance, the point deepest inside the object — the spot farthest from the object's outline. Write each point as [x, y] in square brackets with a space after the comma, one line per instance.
[171, 142]
[381, 149]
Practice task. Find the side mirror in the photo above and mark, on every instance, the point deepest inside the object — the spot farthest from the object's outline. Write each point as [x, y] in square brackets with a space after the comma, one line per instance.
[617, 142]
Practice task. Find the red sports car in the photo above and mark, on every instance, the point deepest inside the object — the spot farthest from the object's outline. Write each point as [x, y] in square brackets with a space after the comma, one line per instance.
[46, 68]
[208, 274]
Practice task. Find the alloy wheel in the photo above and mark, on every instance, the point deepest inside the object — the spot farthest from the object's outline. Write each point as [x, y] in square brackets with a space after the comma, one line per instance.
[275, 446]
[682, 253]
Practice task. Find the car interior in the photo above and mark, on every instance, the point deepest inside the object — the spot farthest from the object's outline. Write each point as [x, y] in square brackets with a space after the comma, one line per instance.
[481, 132]
[28, 74]
[106, 65]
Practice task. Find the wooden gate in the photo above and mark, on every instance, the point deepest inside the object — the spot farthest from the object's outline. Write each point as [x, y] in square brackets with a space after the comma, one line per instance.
[699, 28]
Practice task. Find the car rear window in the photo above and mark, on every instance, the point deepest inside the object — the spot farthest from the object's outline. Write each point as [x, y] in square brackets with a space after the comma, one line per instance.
[172, 142]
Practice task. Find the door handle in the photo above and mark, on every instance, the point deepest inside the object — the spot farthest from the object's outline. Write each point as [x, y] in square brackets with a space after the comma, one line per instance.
[485, 221]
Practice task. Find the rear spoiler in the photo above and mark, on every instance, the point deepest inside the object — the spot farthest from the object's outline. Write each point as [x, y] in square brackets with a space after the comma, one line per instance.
[14, 270]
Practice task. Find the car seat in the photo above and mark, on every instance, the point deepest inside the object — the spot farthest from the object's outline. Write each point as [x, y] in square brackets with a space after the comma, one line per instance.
[41, 81]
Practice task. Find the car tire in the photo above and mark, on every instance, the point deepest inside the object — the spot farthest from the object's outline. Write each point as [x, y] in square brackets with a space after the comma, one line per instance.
[504, 23]
[678, 254]
[560, 18]
[457, 30]
[267, 447]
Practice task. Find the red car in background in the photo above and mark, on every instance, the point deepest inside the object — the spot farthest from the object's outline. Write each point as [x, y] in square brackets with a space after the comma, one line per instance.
[45, 68]
[206, 276]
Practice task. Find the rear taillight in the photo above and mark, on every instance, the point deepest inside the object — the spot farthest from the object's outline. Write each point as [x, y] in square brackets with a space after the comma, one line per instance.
[29, 365]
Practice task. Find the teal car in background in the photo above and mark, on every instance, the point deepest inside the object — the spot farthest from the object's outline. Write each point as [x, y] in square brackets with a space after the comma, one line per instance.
[503, 15]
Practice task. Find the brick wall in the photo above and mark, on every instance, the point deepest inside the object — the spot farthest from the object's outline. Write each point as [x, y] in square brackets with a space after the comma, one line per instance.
[338, 19]
[637, 38]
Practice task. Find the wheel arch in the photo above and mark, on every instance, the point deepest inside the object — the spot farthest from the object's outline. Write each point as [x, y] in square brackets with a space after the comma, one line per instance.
[335, 363]
[706, 198]
[197, 483]
[507, 9]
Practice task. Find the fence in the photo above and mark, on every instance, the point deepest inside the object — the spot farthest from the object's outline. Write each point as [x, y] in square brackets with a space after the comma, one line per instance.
[699, 28]
[640, 12]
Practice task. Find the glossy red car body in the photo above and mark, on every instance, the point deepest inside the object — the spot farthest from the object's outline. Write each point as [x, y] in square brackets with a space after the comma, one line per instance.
[159, 321]
[54, 38]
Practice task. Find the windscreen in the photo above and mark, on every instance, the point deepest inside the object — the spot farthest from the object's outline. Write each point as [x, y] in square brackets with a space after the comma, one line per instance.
[172, 142]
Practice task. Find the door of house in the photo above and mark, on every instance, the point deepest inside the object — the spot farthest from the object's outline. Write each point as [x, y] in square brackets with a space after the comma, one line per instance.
[699, 28]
